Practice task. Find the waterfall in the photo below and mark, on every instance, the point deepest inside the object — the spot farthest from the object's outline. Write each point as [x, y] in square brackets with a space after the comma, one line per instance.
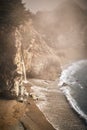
[23, 65]
[24, 72]
[21, 68]
[20, 56]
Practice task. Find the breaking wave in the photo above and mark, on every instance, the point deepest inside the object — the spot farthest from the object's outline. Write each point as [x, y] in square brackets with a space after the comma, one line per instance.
[73, 82]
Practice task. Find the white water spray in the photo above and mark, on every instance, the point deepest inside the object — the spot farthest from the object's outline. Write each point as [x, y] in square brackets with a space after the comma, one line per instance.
[68, 78]
[21, 69]
[24, 72]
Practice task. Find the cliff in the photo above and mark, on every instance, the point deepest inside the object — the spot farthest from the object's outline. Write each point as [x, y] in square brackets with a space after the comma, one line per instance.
[65, 28]
[40, 59]
[24, 51]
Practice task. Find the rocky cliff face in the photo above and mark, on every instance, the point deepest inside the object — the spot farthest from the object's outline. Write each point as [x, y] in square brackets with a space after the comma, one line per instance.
[66, 29]
[12, 15]
[40, 59]
[24, 51]
[39, 46]
[7, 54]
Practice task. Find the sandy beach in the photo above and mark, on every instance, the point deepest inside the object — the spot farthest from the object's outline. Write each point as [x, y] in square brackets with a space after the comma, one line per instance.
[18, 116]
[22, 116]
[27, 116]
[58, 110]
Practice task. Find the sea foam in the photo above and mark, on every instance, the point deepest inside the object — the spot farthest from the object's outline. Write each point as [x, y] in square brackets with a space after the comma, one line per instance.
[68, 79]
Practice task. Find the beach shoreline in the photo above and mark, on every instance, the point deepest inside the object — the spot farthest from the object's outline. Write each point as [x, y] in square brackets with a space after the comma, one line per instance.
[15, 115]
[27, 116]
[57, 109]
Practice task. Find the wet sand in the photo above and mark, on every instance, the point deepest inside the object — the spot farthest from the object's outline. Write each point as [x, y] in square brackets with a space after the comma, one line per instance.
[58, 110]
[26, 116]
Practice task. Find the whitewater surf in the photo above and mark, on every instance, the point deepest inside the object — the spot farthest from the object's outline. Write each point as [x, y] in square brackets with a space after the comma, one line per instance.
[73, 83]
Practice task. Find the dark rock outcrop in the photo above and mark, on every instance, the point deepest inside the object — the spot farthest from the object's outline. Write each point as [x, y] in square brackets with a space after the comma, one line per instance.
[22, 49]
[12, 15]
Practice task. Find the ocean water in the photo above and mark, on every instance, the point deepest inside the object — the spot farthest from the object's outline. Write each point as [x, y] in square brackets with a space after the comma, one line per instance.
[73, 83]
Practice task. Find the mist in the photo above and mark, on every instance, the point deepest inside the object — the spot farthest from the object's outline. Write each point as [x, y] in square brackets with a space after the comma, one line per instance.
[65, 29]
[41, 5]
[43, 47]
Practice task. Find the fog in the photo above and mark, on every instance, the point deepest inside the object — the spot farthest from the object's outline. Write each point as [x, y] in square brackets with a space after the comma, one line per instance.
[66, 28]
[40, 5]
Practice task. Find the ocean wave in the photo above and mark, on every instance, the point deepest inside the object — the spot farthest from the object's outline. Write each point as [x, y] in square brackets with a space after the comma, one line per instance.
[67, 74]
[73, 102]
[73, 82]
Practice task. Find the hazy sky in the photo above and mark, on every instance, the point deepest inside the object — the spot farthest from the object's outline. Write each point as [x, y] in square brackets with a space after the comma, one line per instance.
[35, 5]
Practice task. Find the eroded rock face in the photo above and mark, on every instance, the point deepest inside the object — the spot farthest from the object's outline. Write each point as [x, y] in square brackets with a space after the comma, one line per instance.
[40, 59]
[11, 63]
[66, 28]
[24, 51]
[7, 54]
